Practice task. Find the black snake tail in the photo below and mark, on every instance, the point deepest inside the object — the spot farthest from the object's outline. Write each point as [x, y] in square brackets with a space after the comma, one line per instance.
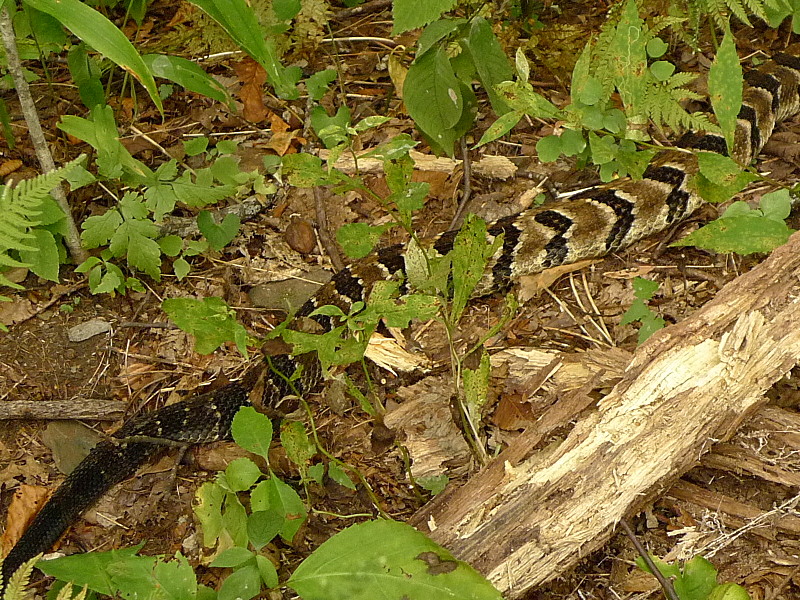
[205, 418]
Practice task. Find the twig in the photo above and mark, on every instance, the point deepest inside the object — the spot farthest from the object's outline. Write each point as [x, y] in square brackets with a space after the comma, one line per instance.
[666, 584]
[467, 175]
[72, 237]
[367, 7]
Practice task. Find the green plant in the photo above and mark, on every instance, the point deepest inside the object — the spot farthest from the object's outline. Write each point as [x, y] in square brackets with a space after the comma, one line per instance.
[450, 54]
[244, 510]
[31, 226]
[643, 289]
[696, 580]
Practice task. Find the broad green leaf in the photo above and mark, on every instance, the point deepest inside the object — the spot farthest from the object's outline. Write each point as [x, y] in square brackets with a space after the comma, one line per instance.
[432, 95]
[490, 61]
[725, 87]
[176, 579]
[340, 476]
[743, 234]
[317, 84]
[208, 509]
[294, 439]
[273, 494]
[89, 569]
[242, 584]
[44, 260]
[85, 73]
[359, 239]
[102, 35]
[187, 74]
[269, 575]
[263, 526]
[410, 14]
[386, 559]
[240, 22]
[232, 557]
[438, 30]
[241, 474]
[252, 431]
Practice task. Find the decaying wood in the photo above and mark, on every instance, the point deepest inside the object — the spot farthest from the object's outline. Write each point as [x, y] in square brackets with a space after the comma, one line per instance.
[736, 513]
[527, 517]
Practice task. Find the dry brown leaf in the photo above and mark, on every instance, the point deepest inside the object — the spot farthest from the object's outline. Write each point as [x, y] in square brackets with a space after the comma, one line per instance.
[27, 501]
[253, 76]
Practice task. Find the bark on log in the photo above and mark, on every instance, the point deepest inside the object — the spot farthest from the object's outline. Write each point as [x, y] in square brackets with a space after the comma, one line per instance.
[526, 518]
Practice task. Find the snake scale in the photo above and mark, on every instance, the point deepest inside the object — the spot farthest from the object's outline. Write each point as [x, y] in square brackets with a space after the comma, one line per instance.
[597, 221]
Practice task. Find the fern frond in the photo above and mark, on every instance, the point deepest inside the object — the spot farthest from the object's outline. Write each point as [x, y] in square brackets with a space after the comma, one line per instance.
[18, 582]
[66, 593]
[19, 207]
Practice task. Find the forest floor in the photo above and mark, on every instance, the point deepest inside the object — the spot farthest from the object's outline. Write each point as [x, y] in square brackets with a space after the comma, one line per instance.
[746, 525]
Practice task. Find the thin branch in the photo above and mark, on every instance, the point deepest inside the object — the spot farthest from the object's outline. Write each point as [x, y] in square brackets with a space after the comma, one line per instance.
[72, 237]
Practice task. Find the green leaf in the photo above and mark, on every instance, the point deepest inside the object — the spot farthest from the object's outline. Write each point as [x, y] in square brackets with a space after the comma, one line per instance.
[662, 70]
[208, 509]
[188, 75]
[410, 14]
[500, 127]
[725, 87]
[644, 288]
[232, 557]
[435, 484]
[697, 579]
[317, 84]
[242, 584]
[359, 239]
[743, 234]
[218, 236]
[490, 61]
[340, 476]
[240, 22]
[86, 74]
[196, 146]
[432, 95]
[437, 30]
[386, 559]
[263, 526]
[294, 439]
[43, 261]
[241, 474]
[269, 575]
[91, 569]
[776, 205]
[252, 431]
[728, 591]
[273, 494]
[175, 579]
[209, 320]
[102, 35]
[181, 268]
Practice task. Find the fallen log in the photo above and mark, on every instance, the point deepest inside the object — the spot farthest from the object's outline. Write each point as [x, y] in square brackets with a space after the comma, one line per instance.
[527, 517]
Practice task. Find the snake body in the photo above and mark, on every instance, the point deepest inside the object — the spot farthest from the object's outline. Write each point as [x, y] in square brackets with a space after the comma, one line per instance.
[595, 222]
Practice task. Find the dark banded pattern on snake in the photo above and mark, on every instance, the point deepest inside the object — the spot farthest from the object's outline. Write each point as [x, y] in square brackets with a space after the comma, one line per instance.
[592, 224]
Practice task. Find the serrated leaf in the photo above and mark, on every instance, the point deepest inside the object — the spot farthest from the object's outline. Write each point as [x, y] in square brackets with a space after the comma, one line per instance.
[209, 320]
[743, 234]
[410, 14]
[218, 236]
[44, 261]
[725, 87]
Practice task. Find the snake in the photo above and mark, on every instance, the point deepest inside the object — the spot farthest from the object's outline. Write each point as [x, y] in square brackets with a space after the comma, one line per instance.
[593, 223]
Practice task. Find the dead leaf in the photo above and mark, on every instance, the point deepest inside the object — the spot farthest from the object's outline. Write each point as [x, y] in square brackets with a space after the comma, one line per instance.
[253, 76]
[26, 503]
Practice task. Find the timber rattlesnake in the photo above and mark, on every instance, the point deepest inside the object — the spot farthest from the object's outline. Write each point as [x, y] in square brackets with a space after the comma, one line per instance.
[594, 223]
